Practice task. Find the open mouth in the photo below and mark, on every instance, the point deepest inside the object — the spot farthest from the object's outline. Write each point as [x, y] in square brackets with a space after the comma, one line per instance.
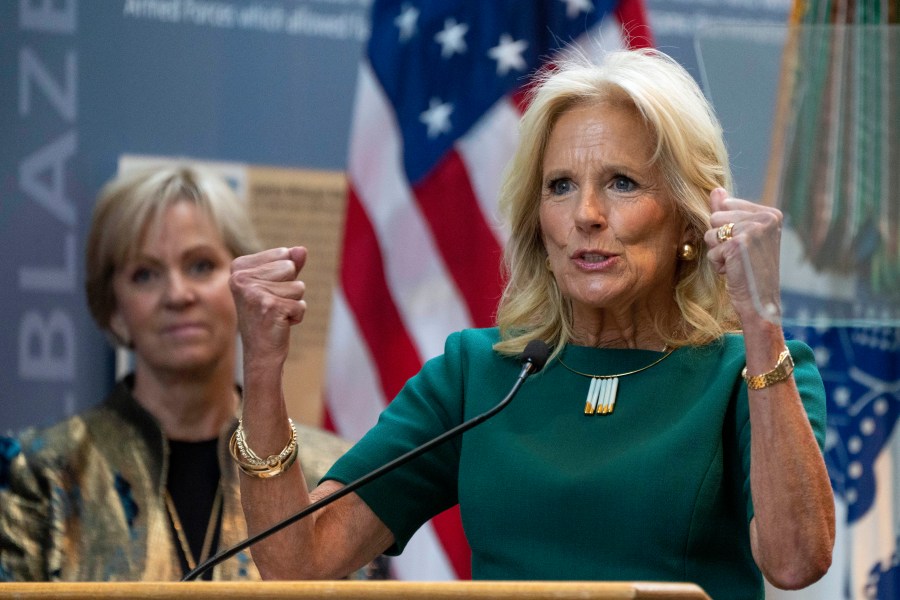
[592, 257]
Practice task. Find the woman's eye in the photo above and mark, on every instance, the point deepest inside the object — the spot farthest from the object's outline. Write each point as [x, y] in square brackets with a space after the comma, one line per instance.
[623, 184]
[141, 275]
[560, 186]
[202, 267]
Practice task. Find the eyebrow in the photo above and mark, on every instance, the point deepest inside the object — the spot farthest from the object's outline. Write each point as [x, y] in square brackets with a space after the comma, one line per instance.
[195, 249]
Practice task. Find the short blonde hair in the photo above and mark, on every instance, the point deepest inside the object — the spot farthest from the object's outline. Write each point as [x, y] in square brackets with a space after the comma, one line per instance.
[129, 203]
[691, 158]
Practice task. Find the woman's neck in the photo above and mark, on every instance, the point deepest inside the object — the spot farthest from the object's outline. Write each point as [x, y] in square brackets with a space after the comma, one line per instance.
[618, 329]
[188, 406]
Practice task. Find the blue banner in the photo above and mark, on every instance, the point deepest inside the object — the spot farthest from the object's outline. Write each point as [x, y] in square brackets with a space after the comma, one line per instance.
[86, 82]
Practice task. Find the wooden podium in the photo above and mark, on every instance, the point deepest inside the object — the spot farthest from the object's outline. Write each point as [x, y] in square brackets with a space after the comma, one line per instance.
[356, 590]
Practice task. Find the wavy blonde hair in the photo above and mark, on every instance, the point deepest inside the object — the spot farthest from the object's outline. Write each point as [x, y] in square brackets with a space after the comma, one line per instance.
[132, 202]
[692, 160]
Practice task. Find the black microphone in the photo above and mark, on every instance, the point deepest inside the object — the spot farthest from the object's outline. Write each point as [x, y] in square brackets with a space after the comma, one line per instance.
[533, 357]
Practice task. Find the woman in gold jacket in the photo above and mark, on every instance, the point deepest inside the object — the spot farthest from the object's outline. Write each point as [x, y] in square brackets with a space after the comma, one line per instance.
[141, 487]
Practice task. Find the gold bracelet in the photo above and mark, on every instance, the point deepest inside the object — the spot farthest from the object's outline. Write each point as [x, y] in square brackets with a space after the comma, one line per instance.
[250, 457]
[783, 369]
[251, 464]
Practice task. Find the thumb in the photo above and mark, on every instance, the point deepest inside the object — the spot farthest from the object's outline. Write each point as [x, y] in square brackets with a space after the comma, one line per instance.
[298, 254]
[717, 199]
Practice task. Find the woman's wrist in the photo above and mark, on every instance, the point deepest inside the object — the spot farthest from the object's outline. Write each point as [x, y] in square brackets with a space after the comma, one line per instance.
[256, 466]
[763, 342]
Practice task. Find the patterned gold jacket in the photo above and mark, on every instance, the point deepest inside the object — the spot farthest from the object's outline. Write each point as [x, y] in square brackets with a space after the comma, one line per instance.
[83, 500]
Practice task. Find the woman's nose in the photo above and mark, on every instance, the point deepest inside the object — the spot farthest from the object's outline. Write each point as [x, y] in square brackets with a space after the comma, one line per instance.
[590, 211]
[179, 289]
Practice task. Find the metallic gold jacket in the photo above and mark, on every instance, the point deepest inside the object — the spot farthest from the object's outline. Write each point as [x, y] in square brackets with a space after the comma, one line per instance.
[83, 500]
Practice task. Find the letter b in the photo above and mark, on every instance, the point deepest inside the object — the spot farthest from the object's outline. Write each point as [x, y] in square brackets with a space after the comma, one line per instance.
[47, 347]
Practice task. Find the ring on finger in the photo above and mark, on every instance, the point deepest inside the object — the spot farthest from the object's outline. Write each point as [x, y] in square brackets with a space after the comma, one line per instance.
[723, 233]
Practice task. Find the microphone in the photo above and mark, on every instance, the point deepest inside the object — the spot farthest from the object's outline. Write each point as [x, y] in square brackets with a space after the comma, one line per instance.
[533, 357]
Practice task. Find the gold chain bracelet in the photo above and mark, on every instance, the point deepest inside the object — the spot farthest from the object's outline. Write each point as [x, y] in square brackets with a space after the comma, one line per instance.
[255, 466]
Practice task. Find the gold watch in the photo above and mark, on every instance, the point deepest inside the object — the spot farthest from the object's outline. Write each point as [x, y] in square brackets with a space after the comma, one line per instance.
[783, 368]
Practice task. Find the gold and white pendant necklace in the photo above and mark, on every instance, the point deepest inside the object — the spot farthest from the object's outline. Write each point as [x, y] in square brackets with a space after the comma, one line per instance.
[601, 396]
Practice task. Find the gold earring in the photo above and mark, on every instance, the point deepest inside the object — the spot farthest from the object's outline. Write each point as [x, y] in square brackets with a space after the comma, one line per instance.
[547, 264]
[688, 251]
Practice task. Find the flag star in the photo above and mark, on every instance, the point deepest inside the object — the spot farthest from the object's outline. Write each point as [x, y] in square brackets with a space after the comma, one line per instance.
[407, 21]
[576, 7]
[842, 396]
[508, 54]
[437, 117]
[452, 38]
[823, 355]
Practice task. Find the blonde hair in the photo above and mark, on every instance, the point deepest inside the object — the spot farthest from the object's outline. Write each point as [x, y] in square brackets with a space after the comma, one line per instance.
[691, 158]
[129, 203]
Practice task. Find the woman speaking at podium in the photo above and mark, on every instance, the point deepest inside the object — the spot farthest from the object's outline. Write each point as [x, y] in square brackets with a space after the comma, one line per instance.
[673, 435]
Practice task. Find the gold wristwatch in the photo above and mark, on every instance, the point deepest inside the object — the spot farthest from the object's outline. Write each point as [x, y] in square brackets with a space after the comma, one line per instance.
[782, 370]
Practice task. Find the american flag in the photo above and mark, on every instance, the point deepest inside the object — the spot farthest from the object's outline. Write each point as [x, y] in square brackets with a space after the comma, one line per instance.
[861, 370]
[439, 96]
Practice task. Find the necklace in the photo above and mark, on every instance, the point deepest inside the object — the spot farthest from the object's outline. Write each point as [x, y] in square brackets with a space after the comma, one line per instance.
[211, 527]
[601, 396]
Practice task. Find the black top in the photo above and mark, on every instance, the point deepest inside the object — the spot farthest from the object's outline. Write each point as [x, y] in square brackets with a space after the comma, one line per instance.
[192, 482]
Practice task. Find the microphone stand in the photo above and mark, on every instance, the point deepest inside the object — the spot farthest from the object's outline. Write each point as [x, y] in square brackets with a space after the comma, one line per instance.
[532, 364]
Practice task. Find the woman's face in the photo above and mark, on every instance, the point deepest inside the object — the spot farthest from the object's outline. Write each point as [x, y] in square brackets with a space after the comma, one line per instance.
[172, 298]
[608, 226]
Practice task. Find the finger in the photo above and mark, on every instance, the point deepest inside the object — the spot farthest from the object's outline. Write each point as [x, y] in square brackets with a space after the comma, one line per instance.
[723, 212]
[284, 266]
[722, 205]
[716, 256]
[264, 284]
[297, 314]
[717, 219]
[714, 237]
[290, 290]
[295, 254]
[717, 199]
[298, 254]
[278, 270]
[270, 303]
[281, 310]
[250, 261]
[727, 208]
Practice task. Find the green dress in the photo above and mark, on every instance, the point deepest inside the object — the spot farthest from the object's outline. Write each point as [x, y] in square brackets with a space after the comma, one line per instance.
[657, 490]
